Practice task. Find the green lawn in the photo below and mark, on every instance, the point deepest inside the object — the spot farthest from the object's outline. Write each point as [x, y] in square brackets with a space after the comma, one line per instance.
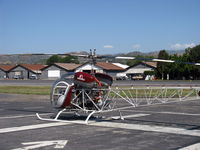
[34, 90]
[45, 90]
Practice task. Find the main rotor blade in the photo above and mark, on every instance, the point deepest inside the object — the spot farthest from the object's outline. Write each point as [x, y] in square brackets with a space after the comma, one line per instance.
[163, 60]
[125, 57]
[79, 55]
[158, 60]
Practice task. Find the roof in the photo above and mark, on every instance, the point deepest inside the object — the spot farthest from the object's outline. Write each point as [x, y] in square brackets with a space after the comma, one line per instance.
[147, 64]
[6, 67]
[68, 66]
[109, 66]
[121, 65]
[65, 66]
[33, 67]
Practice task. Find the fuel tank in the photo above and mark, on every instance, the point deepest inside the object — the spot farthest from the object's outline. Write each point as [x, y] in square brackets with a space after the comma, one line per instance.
[83, 79]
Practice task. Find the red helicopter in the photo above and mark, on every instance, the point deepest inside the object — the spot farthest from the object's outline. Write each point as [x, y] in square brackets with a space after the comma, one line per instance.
[85, 93]
[92, 93]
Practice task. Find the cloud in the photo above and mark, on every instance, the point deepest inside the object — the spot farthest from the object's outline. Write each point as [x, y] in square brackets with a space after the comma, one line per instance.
[178, 46]
[136, 46]
[107, 46]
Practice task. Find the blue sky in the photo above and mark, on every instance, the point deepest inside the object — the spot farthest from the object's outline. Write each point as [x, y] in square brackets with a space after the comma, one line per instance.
[110, 26]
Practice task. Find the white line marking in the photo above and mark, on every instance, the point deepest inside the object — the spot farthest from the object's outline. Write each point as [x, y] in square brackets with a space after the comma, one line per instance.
[163, 112]
[22, 116]
[148, 128]
[35, 145]
[38, 107]
[130, 116]
[30, 127]
[140, 127]
[192, 147]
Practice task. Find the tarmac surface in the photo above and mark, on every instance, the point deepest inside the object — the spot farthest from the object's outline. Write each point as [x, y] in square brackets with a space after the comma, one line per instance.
[195, 83]
[167, 127]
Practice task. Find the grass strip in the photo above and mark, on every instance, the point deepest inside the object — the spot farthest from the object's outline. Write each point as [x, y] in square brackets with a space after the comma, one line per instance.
[30, 90]
[45, 90]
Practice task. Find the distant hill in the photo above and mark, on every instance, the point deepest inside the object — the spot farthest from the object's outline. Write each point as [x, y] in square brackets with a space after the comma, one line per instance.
[41, 58]
[154, 53]
[24, 59]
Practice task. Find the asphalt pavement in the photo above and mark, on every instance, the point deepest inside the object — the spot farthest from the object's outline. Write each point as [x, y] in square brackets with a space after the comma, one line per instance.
[166, 127]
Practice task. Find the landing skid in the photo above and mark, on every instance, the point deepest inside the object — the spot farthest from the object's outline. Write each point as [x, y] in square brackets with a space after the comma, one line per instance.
[59, 120]
[86, 121]
[66, 121]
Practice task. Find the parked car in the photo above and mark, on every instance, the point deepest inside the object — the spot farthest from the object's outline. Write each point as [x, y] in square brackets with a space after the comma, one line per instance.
[18, 77]
[138, 77]
[33, 77]
[121, 76]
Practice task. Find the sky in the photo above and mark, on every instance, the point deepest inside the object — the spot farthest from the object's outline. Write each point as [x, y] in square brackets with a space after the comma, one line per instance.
[110, 26]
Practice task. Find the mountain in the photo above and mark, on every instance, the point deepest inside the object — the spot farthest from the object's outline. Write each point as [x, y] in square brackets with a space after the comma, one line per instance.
[24, 59]
[41, 58]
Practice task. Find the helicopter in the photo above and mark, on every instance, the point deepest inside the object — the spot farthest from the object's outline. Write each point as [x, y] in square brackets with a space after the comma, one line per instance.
[92, 93]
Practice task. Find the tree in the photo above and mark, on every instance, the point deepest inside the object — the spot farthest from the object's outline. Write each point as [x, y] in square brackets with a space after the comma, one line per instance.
[181, 70]
[194, 56]
[138, 60]
[70, 59]
[53, 59]
[133, 62]
[162, 67]
[58, 59]
[194, 53]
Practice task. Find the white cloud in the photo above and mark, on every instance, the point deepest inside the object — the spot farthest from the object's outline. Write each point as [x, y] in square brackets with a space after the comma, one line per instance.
[178, 46]
[136, 46]
[107, 46]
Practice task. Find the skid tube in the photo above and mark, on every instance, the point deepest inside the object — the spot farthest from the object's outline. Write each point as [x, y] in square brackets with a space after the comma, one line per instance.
[86, 121]
[67, 121]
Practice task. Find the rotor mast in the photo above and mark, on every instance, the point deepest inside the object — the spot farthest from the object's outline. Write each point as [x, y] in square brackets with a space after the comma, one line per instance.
[93, 57]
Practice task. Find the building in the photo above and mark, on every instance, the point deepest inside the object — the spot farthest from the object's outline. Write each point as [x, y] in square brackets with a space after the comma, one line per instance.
[137, 71]
[26, 71]
[56, 70]
[4, 70]
[101, 67]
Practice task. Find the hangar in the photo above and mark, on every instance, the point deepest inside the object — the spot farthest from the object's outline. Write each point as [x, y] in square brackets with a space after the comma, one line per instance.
[4, 70]
[56, 70]
[137, 71]
[26, 71]
[101, 67]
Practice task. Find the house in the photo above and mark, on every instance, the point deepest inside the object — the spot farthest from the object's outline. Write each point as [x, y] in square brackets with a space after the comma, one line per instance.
[137, 71]
[4, 70]
[26, 71]
[101, 67]
[56, 70]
